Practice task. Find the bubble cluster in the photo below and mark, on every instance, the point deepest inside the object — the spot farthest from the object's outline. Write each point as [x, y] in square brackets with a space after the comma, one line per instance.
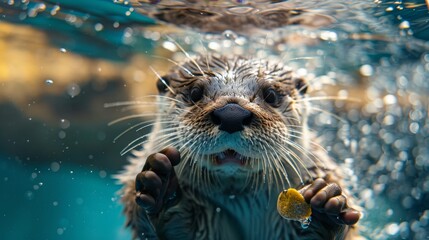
[390, 165]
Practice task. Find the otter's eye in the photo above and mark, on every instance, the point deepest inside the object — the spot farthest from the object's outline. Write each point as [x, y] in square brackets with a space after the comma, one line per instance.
[271, 97]
[162, 84]
[196, 94]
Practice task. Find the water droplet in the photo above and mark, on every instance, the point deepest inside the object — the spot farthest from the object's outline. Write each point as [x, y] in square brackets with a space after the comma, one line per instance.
[228, 34]
[55, 10]
[98, 27]
[49, 82]
[414, 127]
[169, 46]
[102, 174]
[73, 90]
[40, 7]
[62, 134]
[305, 223]
[404, 25]
[366, 70]
[60, 231]
[218, 209]
[389, 99]
[63, 50]
[392, 229]
[214, 46]
[55, 167]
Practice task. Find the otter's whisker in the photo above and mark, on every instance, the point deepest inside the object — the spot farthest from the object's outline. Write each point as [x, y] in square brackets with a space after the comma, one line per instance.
[157, 122]
[141, 115]
[187, 55]
[321, 98]
[174, 62]
[132, 145]
[280, 157]
[131, 128]
[302, 150]
[330, 114]
[206, 54]
[162, 80]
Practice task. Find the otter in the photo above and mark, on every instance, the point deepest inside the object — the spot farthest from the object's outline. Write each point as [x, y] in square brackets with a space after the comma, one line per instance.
[230, 134]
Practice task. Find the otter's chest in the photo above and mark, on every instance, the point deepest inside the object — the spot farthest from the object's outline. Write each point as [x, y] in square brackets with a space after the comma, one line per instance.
[225, 218]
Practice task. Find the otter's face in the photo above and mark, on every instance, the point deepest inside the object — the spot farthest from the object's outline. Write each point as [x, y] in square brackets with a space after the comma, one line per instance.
[236, 117]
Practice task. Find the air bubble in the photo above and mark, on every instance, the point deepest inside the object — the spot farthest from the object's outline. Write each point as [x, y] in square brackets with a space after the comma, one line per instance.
[389, 99]
[49, 82]
[64, 123]
[73, 90]
[61, 134]
[55, 10]
[392, 229]
[366, 70]
[102, 174]
[169, 46]
[60, 231]
[98, 27]
[228, 34]
[40, 7]
[55, 167]
[305, 223]
[404, 25]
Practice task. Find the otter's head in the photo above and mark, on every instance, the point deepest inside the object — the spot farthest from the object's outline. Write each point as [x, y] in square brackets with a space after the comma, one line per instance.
[234, 119]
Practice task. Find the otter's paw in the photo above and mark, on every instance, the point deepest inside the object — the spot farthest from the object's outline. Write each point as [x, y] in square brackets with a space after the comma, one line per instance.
[329, 204]
[157, 184]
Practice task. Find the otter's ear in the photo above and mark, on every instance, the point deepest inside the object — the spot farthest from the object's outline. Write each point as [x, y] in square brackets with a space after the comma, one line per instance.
[301, 85]
[162, 84]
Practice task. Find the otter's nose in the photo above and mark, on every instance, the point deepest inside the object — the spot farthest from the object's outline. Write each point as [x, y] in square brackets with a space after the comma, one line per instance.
[231, 117]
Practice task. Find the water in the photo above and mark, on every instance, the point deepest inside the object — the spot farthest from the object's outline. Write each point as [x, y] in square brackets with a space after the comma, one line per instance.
[62, 61]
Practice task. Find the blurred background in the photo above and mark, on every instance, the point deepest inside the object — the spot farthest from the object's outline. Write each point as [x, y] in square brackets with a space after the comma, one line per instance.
[65, 63]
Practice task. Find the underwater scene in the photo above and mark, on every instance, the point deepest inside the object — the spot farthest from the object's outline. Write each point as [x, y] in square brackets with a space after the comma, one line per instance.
[78, 81]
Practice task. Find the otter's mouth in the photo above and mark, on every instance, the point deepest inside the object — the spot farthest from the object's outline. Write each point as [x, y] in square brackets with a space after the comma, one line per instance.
[229, 156]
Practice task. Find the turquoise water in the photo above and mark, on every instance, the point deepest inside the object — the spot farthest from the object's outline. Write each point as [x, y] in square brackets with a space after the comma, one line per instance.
[62, 61]
[68, 203]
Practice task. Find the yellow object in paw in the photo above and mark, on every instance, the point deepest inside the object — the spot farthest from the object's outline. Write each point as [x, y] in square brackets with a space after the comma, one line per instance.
[291, 205]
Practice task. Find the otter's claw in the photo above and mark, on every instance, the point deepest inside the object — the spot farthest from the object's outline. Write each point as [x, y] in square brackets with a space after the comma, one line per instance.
[157, 182]
[327, 199]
